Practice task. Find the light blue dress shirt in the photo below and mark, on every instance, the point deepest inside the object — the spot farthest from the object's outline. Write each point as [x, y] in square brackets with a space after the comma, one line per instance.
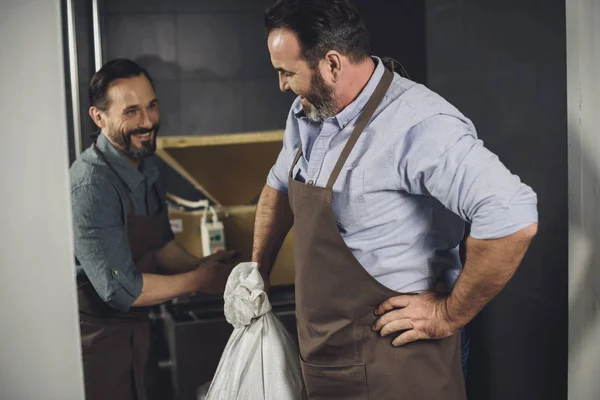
[416, 174]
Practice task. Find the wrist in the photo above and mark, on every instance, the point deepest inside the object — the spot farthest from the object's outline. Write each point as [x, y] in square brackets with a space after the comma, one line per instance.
[192, 280]
[264, 271]
[262, 266]
[454, 315]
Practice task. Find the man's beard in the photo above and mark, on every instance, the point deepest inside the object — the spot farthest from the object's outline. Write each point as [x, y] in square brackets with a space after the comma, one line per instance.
[138, 154]
[322, 102]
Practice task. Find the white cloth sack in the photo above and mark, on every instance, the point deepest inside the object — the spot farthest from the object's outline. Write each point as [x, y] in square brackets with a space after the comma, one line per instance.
[260, 361]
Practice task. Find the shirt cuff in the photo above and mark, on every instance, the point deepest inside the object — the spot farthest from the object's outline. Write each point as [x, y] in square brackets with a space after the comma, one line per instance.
[276, 184]
[504, 223]
[127, 293]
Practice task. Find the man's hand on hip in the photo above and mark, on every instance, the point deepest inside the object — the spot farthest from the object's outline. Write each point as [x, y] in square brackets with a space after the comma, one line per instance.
[418, 317]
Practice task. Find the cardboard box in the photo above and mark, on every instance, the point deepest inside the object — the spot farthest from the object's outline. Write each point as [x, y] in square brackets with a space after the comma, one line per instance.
[231, 171]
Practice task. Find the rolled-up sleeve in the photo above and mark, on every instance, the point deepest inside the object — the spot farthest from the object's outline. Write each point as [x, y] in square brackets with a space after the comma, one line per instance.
[278, 175]
[101, 244]
[443, 158]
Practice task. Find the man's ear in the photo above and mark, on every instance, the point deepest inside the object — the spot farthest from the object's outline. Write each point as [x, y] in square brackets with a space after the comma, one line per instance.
[333, 61]
[96, 115]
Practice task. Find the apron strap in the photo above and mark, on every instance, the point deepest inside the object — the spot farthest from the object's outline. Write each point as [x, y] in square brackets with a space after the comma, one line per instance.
[395, 66]
[365, 117]
[130, 195]
[161, 203]
[362, 122]
[298, 155]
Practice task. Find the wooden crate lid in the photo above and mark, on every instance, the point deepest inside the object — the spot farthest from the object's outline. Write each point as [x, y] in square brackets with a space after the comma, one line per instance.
[230, 169]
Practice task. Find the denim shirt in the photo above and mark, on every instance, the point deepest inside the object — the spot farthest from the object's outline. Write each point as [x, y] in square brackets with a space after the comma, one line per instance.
[100, 204]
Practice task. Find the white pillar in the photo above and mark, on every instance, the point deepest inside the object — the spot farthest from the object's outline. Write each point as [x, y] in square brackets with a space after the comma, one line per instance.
[39, 336]
[583, 88]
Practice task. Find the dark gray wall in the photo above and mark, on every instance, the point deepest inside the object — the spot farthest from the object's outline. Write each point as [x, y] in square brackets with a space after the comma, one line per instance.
[209, 61]
[210, 64]
[503, 64]
[397, 30]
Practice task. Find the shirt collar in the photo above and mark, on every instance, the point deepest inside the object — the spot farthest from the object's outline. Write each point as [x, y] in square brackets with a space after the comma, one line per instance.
[132, 176]
[351, 111]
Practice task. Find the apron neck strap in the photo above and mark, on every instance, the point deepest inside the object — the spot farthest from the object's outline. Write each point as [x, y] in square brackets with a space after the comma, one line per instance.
[130, 195]
[362, 122]
[296, 158]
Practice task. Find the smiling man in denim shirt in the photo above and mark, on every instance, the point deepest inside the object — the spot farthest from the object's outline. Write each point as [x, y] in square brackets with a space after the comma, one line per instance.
[378, 175]
[126, 256]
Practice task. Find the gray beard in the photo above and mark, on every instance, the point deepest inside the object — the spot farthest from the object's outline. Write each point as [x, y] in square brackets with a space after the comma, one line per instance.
[321, 112]
[321, 100]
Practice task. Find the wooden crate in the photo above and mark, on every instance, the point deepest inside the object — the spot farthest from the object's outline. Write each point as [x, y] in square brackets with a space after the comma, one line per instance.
[231, 171]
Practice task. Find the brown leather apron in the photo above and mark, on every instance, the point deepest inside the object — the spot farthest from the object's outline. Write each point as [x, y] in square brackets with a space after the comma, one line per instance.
[117, 359]
[341, 357]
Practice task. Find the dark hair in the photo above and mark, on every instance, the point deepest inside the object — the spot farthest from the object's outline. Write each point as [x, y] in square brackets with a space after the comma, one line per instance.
[111, 71]
[321, 26]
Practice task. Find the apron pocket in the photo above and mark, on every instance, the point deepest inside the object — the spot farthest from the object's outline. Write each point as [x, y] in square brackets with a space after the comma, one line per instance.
[323, 382]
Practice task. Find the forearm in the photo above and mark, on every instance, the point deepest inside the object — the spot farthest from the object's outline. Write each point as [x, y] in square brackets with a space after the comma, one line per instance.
[489, 265]
[273, 221]
[173, 259]
[160, 288]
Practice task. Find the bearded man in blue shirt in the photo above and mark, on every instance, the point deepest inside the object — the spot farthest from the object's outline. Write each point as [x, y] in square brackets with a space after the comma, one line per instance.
[378, 175]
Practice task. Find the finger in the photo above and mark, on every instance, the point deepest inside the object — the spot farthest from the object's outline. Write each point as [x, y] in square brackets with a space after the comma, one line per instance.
[224, 255]
[396, 326]
[407, 337]
[389, 317]
[229, 254]
[394, 302]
